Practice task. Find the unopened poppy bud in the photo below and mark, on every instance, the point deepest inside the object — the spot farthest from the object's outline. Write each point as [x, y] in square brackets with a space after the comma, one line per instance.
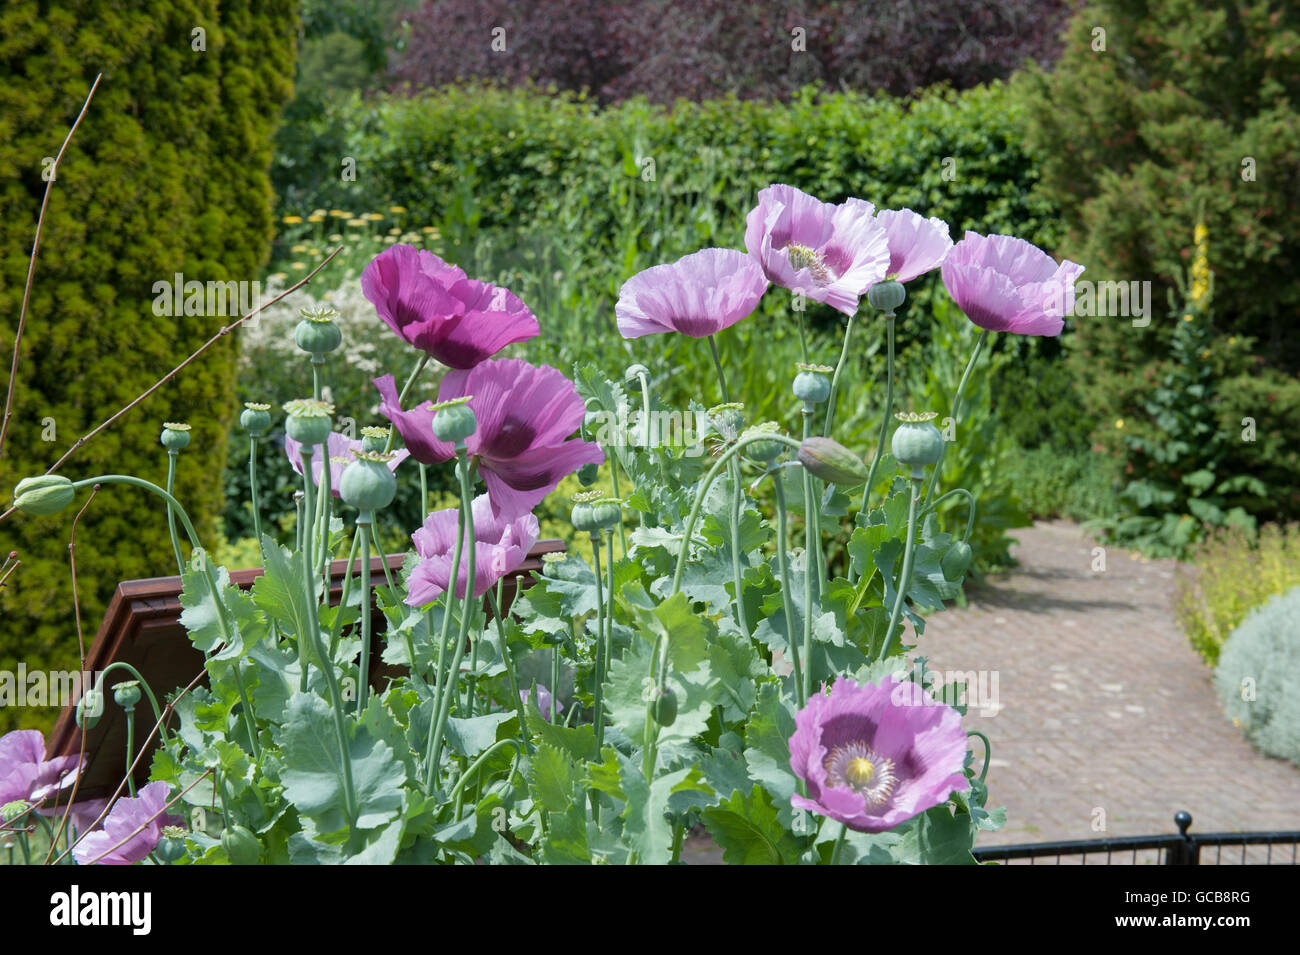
[831, 462]
[588, 473]
[43, 495]
[89, 709]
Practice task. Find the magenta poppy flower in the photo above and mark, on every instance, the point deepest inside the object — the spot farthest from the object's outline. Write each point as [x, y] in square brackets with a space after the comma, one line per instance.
[875, 756]
[525, 416]
[435, 307]
[340, 448]
[1006, 284]
[26, 774]
[698, 295]
[547, 705]
[829, 253]
[100, 847]
[500, 547]
[916, 244]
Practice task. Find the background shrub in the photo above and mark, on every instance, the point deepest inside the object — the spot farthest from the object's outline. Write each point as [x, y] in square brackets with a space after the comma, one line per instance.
[1232, 573]
[167, 173]
[1257, 674]
[707, 49]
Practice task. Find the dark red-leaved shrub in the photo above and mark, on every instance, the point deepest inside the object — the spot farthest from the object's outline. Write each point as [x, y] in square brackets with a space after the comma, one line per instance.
[704, 49]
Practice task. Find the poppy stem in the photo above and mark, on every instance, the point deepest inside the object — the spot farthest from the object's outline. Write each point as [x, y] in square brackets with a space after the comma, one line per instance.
[884, 419]
[956, 406]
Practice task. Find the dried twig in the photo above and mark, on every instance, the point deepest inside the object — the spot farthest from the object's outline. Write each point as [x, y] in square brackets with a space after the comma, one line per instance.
[31, 266]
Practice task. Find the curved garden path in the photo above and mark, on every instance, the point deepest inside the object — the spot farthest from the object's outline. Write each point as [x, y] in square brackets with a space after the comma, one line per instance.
[1106, 714]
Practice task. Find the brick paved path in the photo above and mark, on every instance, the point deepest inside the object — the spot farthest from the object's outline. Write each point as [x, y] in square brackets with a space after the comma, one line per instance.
[1103, 704]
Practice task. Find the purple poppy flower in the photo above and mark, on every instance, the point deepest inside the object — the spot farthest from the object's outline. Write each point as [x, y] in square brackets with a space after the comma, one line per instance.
[500, 547]
[525, 414]
[433, 306]
[26, 774]
[100, 847]
[698, 295]
[874, 756]
[340, 450]
[916, 244]
[830, 253]
[547, 702]
[1006, 284]
[84, 814]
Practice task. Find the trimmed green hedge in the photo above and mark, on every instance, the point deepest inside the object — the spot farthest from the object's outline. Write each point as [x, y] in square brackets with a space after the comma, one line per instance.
[167, 174]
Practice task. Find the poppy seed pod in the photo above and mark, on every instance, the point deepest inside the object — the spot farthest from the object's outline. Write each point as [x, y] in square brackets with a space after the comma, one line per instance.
[126, 694]
[728, 419]
[607, 513]
[374, 438]
[831, 462]
[763, 452]
[811, 386]
[317, 333]
[171, 847]
[309, 420]
[367, 483]
[454, 421]
[43, 495]
[583, 515]
[887, 296]
[917, 442]
[175, 435]
[255, 418]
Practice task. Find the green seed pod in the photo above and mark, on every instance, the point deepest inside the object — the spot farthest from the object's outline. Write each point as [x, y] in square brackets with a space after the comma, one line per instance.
[126, 694]
[763, 452]
[583, 515]
[665, 707]
[917, 442]
[607, 513]
[171, 847]
[588, 473]
[309, 421]
[43, 495]
[831, 462]
[367, 483]
[241, 846]
[956, 561]
[89, 709]
[175, 435]
[317, 333]
[728, 420]
[887, 296]
[255, 418]
[454, 421]
[811, 386]
[374, 438]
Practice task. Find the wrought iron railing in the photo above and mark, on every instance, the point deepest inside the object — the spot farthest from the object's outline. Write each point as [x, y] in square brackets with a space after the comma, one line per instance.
[1182, 848]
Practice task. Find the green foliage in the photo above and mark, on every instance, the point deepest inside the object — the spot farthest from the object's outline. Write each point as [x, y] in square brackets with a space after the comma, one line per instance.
[1232, 573]
[1257, 673]
[1078, 486]
[167, 173]
[1189, 112]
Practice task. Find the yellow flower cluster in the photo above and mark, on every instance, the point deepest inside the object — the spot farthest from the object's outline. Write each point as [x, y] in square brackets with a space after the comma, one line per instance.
[1200, 291]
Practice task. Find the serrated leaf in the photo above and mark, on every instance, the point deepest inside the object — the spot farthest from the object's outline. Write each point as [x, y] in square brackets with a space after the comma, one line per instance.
[745, 827]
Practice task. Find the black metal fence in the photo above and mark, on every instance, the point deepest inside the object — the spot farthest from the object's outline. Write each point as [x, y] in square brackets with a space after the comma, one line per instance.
[1182, 848]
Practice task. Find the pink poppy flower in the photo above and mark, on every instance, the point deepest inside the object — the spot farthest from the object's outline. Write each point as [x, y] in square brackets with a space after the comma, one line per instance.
[916, 244]
[100, 847]
[1006, 284]
[875, 756]
[25, 773]
[340, 450]
[500, 547]
[432, 305]
[829, 253]
[546, 702]
[698, 295]
[525, 416]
